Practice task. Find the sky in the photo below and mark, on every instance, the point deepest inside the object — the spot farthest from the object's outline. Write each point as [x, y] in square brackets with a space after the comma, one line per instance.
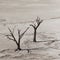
[28, 10]
[25, 10]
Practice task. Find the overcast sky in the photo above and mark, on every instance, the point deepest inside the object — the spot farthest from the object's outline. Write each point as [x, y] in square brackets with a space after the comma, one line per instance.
[19, 10]
[28, 10]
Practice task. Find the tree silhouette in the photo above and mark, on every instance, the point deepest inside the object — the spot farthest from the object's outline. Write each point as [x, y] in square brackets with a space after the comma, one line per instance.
[35, 26]
[11, 36]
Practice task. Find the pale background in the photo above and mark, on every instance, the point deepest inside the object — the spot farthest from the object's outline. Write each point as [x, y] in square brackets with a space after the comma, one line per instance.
[16, 11]
[20, 13]
[26, 10]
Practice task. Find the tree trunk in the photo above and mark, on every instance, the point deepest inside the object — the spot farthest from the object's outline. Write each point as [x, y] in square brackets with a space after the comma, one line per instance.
[18, 47]
[34, 40]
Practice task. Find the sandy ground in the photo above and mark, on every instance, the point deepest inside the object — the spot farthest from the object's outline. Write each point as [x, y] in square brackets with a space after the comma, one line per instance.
[40, 51]
[19, 13]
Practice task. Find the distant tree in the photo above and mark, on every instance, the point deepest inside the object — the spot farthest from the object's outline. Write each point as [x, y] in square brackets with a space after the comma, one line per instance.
[13, 38]
[35, 26]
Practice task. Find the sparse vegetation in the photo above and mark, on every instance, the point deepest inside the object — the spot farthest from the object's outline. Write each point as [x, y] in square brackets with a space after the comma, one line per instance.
[12, 37]
[35, 26]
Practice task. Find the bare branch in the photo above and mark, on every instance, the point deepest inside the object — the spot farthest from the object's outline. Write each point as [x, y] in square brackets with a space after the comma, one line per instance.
[35, 25]
[9, 38]
[19, 33]
[10, 30]
[23, 33]
[14, 29]
[39, 23]
[19, 36]
[32, 25]
[14, 39]
[37, 20]
[5, 34]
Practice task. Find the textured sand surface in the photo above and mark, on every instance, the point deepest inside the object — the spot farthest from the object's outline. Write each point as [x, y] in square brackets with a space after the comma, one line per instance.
[19, 13]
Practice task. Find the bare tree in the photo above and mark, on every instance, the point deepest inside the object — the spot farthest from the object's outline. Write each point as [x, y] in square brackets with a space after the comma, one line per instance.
[13, 38]
[35, 26]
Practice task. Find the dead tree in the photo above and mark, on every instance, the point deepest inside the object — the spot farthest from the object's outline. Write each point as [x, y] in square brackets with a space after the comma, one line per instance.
[35, 26]
[13, 38]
